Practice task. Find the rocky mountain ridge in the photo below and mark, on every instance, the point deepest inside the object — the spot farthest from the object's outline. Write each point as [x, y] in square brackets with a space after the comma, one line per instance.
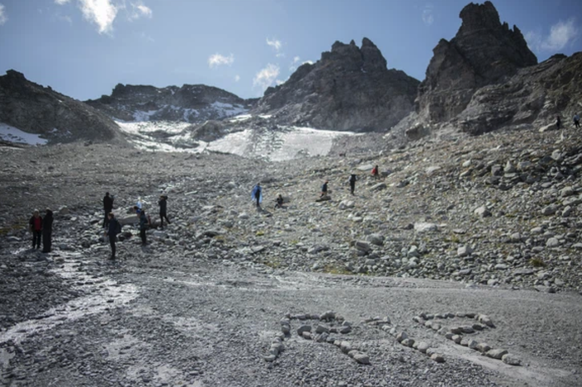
[41, 110]
[349, 88]
[188, 103]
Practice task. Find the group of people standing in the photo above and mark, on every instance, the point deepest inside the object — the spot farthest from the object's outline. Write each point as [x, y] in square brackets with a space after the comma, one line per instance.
[41, 227]
[113, 227]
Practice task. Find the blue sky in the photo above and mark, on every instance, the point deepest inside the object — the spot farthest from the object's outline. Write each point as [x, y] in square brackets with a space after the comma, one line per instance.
[83, 48]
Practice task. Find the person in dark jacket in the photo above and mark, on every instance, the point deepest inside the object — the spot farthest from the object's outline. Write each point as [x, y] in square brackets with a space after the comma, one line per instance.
[107, 207]
[558, 122]
[112, 229]
[47, 231]
[163, 203]
[35, 224]
[352, 182]
[279, 201]
[324, 189]
[143, 225]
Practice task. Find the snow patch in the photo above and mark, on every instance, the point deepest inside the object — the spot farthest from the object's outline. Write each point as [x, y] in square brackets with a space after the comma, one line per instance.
[12, 134]
[241, 118]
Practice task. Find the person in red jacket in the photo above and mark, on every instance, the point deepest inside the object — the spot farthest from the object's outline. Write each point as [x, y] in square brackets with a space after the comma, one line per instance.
[35, 224]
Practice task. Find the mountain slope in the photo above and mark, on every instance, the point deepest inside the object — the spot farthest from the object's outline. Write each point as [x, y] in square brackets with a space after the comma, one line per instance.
[40, 110]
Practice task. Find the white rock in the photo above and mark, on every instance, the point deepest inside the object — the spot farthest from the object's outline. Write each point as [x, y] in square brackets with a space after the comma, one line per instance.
[425, 227]
[464, 251]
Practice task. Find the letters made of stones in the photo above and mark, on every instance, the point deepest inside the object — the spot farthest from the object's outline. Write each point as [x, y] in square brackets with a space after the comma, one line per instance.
[329, 324]
[456, 333]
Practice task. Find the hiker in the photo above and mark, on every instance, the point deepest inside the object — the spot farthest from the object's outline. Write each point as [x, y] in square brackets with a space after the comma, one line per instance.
[114, 228]
[257, 194]
[576, 120]
[143, 225]
[107, 207]
[324, 189]
[139, 203]
[352, 182]
[558, 122]
[375, 173]
[137, 210]
[163, 206]
[47, 231]
[35, 224]
[279, 201]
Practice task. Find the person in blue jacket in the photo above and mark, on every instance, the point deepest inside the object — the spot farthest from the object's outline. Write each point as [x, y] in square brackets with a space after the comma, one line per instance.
[257, 194]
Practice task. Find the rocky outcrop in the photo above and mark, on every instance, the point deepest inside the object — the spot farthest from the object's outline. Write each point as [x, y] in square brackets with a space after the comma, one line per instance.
[483, 52]
[41, 110]
[349, 88]
[535, 95]
[189, 103]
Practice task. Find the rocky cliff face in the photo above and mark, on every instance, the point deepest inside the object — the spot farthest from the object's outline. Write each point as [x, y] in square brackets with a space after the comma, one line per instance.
[535, 95]
[483, 52]
[349, 88]
[40, 110]
[189, 103]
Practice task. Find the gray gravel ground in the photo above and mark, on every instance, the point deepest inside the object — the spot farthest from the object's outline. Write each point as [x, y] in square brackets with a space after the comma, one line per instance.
[200, 308]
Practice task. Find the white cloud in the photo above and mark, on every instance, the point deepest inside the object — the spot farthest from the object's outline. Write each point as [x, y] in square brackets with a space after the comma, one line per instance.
[561, 35]
[140, 10]
[276, 44]
[237, 78]
[100, 12]
[218, 60]
[296, 59]
[61, 2]
[266, 76]
[308, 61]
[427, 16]
[3, 17]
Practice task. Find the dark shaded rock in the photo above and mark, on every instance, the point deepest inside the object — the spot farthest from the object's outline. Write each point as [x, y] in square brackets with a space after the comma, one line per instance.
[41, 110]
[483, 52]
[349, 88]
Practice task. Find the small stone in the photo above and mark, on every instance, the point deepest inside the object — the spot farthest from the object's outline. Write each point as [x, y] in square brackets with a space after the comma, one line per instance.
[472, 344]
[464, 251]
[303, 328]
[438, 357]
[422, 347]
[401, 336]
[511, 360]
[407, 342]
[483, 347]
[496, 353]
[345, 346]
[361, 358]
[482, 212]
[457, 339]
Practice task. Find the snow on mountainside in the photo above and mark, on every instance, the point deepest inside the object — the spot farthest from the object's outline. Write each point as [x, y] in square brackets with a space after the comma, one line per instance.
[270, 142]
[189, 103]
[12, 134]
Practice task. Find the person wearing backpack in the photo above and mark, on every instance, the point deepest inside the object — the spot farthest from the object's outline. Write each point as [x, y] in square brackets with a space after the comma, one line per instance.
[35, 224]
[375, 173]
[352, 182]
[143, 225]
[114, 228]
